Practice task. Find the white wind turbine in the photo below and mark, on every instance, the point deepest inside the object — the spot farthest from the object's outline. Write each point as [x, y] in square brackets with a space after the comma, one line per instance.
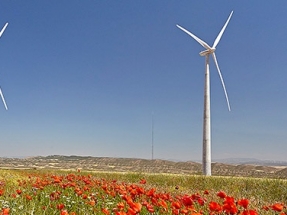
[1, 94]
[206, 155]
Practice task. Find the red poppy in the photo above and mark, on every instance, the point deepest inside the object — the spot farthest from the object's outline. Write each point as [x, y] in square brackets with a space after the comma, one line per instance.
[121, 205]
[176, 205]
[5, 211]
[221, 194]
[277, 207]
[249, 212]
[28, 197]
[64, 212]
[135, 206]
[105, 211]
[214, 206]
[187, 200]
[92, 202]
[18, 192]
[142, 181]
[60, 206]
[243, 202]
[121, 213]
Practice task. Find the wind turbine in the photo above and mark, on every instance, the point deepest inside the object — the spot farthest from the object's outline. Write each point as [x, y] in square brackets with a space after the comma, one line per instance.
[206, 154]
[1, 94]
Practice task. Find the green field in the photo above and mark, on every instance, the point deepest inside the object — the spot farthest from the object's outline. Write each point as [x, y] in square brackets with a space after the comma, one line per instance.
[74, 193]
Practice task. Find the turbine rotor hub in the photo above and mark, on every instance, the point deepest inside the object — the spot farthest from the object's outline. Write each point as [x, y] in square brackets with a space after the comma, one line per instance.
[207, 52]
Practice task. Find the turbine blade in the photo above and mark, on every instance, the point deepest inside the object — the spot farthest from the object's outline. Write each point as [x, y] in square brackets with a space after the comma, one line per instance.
[221, 32]
[201, 42]
[3, 29]
[223, 85]
[2, 96]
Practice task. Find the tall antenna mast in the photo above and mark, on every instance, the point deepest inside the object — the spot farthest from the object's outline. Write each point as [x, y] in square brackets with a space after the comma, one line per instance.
[152, 135]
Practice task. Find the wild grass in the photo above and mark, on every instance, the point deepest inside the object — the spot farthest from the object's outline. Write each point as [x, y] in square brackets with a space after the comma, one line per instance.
[264, 189]
[259, 191]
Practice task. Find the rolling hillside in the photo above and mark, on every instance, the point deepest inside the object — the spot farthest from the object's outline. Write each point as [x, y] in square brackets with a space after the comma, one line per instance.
[139, 165]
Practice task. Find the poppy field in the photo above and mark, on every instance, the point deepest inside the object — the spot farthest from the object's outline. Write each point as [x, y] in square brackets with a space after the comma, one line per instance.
[82, 193]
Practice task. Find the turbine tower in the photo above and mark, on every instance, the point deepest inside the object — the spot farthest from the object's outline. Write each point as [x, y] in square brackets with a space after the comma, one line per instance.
[1, 94]
[206, 153]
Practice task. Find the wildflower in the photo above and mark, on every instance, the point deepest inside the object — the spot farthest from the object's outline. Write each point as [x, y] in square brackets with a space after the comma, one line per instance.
[163, 204]
[176, 205]
[277, 207]
[28, 197]
[5, 211]
[214, 206]
[57, 180]
[92, 202]
[151, 192]
[18, 192]
[121, 213]
[249, 212]
[60, 206]
[64, 212]
[229, 205]
[121, 205]
[221, 194]
[149, 207]
[243, 202]
[187, 200]
[84, 196]
[105, 211]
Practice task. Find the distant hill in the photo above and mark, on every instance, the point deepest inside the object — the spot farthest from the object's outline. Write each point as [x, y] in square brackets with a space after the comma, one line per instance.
[252, 161]
[110, 164]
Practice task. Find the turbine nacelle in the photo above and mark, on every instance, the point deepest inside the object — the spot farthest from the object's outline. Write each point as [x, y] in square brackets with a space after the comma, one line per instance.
[207, 52]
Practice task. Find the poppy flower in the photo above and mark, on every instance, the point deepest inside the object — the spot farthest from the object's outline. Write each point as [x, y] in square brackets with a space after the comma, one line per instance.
[64, 212]
[105, 211]
[60, 206]
[277, 207]
[5, 211]
[176, 205]
[187, 200]
[121, 205]
[221, 194]
[142, 181]
[249, 212]
[28, 197]
[214, 206]
[243, 202]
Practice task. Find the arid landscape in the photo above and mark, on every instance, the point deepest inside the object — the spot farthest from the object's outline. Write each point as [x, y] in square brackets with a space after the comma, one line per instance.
[139, 165]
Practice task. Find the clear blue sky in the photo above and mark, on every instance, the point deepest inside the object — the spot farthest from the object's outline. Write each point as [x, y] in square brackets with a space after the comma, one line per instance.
[83, 78]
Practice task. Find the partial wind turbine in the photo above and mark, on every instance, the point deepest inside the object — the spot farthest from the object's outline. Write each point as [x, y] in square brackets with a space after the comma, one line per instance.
[206, 155]
[1, 94]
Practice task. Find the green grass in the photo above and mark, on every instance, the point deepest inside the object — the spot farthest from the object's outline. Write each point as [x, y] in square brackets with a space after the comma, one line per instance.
[260, 191]
[264, 189]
